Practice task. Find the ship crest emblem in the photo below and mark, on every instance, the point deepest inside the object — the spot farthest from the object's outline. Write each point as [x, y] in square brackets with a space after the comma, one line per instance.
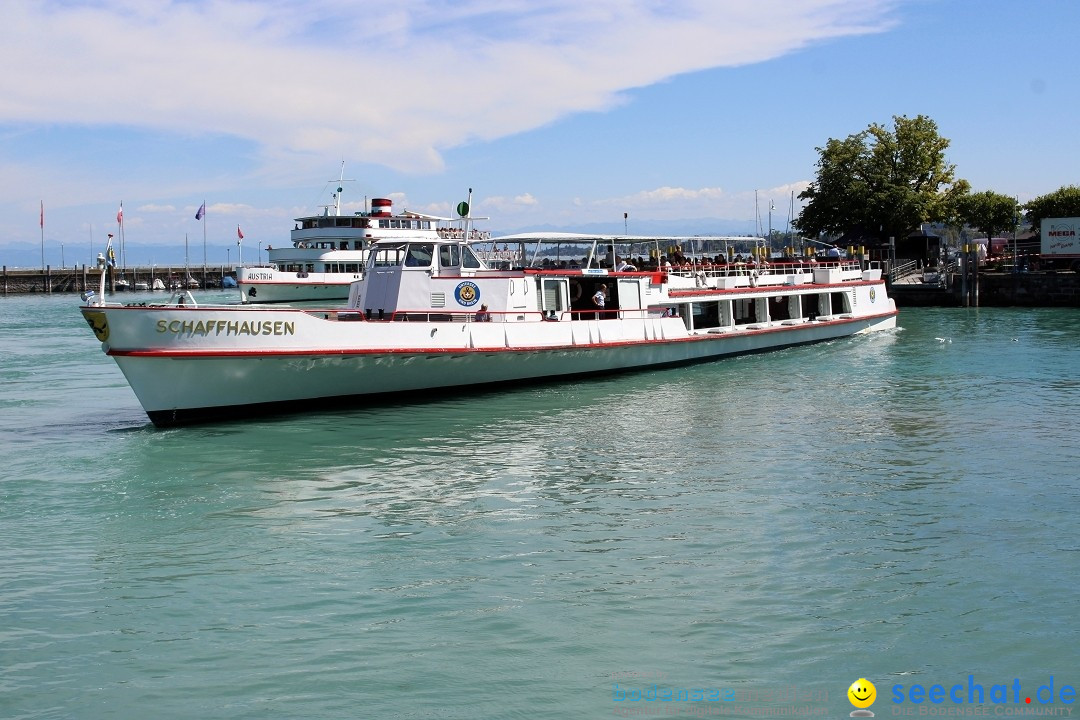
[98, 323]
[467, 293]
[873, 294]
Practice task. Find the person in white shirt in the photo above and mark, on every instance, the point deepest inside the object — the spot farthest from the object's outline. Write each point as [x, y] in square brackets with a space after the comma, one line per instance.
[599, 300]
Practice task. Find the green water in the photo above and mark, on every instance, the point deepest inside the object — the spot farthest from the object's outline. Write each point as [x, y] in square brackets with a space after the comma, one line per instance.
[899, 507]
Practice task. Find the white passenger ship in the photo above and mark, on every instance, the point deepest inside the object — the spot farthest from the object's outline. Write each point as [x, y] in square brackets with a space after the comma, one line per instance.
[437, 313]
[329, 251]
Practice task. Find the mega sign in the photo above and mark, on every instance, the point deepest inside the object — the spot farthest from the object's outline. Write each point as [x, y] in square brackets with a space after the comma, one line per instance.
[1059, 236]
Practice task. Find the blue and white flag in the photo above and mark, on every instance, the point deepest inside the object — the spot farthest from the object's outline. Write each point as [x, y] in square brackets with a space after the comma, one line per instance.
[201, 211]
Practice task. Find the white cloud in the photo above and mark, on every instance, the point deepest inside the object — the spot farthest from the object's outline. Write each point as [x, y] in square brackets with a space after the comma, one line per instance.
[501, 204]
[393, 83]
[152, 208]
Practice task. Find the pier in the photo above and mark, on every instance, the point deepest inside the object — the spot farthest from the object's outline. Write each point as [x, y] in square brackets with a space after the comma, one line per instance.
[1049, 288]
[87, 277]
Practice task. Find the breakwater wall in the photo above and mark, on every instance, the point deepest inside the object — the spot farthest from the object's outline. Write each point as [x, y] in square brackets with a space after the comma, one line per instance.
[998, 289]
[1028, 289]
[83, 277]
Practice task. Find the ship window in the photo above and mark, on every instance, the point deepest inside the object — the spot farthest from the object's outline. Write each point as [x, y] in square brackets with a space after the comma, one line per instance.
[449, 256]
[468, 260]
[745, 311]
[706, 315]
[387, 256]
[395, 224]
[419, 255]
[384, 223]
[780, 308]
[554, 294]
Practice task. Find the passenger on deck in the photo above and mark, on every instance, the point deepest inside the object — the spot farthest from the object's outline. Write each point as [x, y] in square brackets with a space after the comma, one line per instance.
[483, 315]
[599, 300]
[626, 266]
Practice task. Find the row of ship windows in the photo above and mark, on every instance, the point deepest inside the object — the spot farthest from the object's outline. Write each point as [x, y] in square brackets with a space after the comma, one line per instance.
[356, 222]
[327, 267]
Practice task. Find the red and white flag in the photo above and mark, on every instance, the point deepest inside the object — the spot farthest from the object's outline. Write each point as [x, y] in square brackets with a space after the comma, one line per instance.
[239, 235]
[120, 213]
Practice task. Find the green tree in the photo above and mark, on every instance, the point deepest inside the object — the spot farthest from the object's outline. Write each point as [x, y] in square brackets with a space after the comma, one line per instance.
[988, 212]
[882, 183]
[1063, 202]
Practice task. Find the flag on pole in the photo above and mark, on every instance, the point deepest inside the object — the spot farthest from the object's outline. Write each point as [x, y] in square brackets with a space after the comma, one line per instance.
[239, 235]
[201, 211]
[110, 256]
[120, 213]
[42, 223]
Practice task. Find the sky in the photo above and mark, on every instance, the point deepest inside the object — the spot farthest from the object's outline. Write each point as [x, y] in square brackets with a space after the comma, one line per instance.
[687, 116]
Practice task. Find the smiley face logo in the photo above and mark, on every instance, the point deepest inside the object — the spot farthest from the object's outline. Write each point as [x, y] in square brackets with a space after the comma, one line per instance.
[862, 693]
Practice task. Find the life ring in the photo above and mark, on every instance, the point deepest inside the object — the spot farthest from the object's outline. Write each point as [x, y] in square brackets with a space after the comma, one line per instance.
[575, 290]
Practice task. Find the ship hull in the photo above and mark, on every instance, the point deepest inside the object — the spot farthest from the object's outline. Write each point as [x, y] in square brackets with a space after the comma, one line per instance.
[300, 361]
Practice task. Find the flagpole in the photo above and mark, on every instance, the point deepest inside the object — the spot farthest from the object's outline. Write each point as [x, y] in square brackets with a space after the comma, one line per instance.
[41, 222]
[204, 243]
[120, 232]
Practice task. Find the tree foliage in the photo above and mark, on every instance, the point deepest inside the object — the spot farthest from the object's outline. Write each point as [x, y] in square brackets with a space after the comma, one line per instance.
[988, 212]
[1063, 202]
[882, 183]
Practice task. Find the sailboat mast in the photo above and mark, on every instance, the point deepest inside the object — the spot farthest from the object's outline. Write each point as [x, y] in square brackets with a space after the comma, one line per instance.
[757, 215]
[203, 241]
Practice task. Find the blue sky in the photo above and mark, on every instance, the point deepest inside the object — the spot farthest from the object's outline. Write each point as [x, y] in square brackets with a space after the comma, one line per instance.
[561, 114]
